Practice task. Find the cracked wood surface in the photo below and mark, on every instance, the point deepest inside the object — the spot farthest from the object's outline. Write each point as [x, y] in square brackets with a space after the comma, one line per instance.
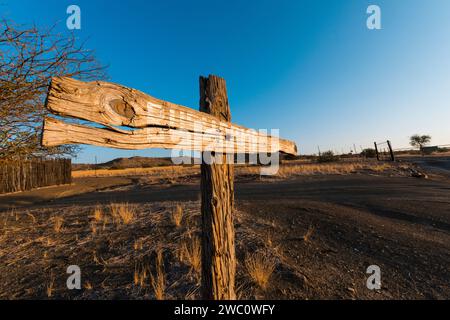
[157, 123]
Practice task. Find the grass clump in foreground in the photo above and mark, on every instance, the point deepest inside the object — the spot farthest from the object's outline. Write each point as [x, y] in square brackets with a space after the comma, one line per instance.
[260, 267]
[177, 215]
[122, 213]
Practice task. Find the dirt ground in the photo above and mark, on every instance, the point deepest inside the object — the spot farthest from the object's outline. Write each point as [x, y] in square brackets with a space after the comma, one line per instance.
[321, 232]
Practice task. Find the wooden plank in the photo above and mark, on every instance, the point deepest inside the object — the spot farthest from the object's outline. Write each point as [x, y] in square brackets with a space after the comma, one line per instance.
[115, 105]
[217, 190]
[57, 132]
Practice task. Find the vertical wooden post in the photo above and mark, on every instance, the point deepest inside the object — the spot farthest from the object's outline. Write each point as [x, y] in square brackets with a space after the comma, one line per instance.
[391, 151]
[376, 150]
[217, 190]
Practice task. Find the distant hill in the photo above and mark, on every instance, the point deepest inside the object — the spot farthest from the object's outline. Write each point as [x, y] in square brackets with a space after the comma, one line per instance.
[148, 162]
[123, 163]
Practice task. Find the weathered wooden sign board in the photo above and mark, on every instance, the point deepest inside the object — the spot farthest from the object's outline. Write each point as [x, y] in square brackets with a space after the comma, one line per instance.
[161, 124]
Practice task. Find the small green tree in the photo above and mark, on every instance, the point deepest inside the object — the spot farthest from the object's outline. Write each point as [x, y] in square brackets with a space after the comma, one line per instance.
[419, 140]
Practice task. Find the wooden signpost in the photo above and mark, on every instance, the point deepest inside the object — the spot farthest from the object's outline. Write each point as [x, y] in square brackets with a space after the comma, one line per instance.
[161, 124]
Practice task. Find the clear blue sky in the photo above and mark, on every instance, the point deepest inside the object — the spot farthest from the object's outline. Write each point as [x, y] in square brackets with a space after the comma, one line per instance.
[310, 68]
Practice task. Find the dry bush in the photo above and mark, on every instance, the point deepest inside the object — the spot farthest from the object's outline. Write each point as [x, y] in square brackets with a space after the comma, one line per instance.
[191, 253]
[260, 267]
[158, 281]
[122, 213]
[29, 58]
[58, 223]
[327, 156]
[177, 215]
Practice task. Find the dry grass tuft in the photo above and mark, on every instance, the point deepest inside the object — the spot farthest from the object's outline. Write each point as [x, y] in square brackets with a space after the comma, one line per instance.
[307, 236]
[158, 281]
[269, 235]
[138, 245]
[32, 217]
[177, 215]
[50, 287]
[94, 228]
[141, 273]
[98, 214]
[191, 253]
[97, 217]
[260, 267]
[122, 212]
[58, 223]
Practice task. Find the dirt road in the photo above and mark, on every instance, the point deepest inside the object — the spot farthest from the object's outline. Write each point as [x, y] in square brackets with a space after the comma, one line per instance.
[401, 224]
[433, 164]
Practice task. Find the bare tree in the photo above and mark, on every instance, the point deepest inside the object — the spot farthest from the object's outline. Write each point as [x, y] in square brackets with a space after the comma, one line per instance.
[29, 58]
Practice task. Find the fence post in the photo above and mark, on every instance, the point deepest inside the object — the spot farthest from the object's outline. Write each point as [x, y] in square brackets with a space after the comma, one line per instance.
[376, 150]
[391, 151]
[217, 193]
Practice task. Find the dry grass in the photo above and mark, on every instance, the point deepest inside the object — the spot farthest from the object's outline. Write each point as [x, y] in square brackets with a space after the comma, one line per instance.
[50, 287]
[260, 267]
[291, 168]
[269, 237]
[97, 217]
[138, 245]
[33, 218]
[106, 258]
[58, 223]
[94, 227]
[191, 253]
[158, 281]
[169, 172]
[98, 214]
[321, 168]
[122, 212]
[141, 272]
[307, 236]
[177, 215]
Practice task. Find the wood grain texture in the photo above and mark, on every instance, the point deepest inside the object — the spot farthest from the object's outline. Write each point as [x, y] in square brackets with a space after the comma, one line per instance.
[114, 105]
[23, 175]
[217, 190]
[57, 132]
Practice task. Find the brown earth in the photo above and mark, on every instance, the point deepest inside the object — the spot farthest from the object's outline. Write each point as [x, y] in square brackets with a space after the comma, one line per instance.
[321, 231]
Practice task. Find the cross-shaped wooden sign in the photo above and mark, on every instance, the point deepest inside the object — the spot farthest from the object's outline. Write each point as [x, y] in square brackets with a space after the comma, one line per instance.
[161, 124]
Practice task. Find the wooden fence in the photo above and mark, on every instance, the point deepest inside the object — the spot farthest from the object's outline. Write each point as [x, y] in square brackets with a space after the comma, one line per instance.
[22, 175]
